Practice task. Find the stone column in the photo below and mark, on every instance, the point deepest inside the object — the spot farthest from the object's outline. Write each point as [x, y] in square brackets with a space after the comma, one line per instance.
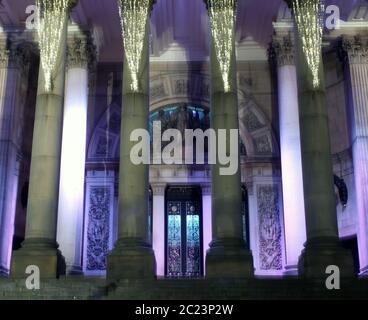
[73, 152]
[158, 236]
[357, 54]
[292, 175]
[40, 247]
[228, 255]
[133, 257]
[206, 218]
[322, 247]
[14, 66]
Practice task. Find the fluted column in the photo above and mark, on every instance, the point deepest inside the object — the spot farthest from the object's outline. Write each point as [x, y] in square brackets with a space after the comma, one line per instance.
[133, 256]
[291, 163]
[322, 247]
[228, 255]
[357, 54]
[14, 66]
[40, 247]
[73, 152]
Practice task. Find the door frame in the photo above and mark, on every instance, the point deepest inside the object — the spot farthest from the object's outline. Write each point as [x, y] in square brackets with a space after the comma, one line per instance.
[195, 188]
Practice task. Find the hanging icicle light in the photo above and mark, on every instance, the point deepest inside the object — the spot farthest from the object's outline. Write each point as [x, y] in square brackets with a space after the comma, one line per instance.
[52, 20]
[310, 25]
[134, 15]
[222, 17]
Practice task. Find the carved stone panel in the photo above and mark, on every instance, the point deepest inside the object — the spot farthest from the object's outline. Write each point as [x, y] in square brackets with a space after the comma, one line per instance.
[98, 221]
[269, 227]
[98, 228]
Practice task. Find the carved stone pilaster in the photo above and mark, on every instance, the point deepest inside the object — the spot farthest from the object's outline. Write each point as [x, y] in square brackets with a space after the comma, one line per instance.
[356, 49]
[283, 51]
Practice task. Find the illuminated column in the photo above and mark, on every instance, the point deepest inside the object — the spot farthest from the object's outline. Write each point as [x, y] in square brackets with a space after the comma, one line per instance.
[133, 256]
[40, 247]
[158, 236]
[228, 255]
[72, 167]
[13, 72]
[357, 53]
[291, 163]
[322, 247]
[207, 219]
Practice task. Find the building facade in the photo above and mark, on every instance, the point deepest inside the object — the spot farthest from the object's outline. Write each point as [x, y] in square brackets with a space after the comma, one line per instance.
[90, 203]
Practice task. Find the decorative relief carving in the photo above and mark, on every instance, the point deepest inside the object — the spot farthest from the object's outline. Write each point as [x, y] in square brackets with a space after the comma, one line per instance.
[80, 53]
[98, 228]
[182, 87]
[270, 237]
[103, 146]
[251, 122]
[283, 50]
[4, 55]
[263, 145]
[158, 91]
[356, 49]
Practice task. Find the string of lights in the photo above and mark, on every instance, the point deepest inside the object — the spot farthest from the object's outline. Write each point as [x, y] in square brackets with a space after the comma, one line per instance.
[222, 17]
[134, 15]
[308, 19]
[52, 20]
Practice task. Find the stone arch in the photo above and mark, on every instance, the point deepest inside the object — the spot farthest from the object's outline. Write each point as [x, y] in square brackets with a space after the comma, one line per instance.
[255, 128]
[171, 89]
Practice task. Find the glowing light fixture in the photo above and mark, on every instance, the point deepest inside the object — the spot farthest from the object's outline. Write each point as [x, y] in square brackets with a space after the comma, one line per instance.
[53, 16]
[308, 19]
[134, 15]
[222, 16]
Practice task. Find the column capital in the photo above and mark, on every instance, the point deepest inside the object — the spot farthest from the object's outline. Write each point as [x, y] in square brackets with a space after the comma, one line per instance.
[214, 3]
[206, 189]
[158, 189]
[81, 52]
[4, 54]
[356, 49]
[283, 50]
[13, 56]
[151, 3]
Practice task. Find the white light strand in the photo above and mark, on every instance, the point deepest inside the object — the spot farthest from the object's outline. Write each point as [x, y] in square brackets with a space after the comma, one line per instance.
[134, 15]
[222, 17]
[308, 19]
[52, 20]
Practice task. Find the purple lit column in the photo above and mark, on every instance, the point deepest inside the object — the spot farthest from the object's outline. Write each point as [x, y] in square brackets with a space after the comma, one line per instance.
[292, 174]
[73, 152]
[207, 218]
[357, 54]
[13, 68]
[158, 217]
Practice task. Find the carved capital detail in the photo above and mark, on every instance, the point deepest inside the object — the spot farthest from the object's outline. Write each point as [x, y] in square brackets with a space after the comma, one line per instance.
[158, 189]
[356, 49]
[283, 50]
[81, 53]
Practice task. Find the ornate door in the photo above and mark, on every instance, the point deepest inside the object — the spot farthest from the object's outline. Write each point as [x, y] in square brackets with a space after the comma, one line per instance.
[184, 232]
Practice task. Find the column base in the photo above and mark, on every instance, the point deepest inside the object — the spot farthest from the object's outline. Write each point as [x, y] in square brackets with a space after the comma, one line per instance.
[73, 270]
[4, 272]
[42, 253]
[229, 258]
[131, 259]
[319, 253]
[291, 270]
[363, 272]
